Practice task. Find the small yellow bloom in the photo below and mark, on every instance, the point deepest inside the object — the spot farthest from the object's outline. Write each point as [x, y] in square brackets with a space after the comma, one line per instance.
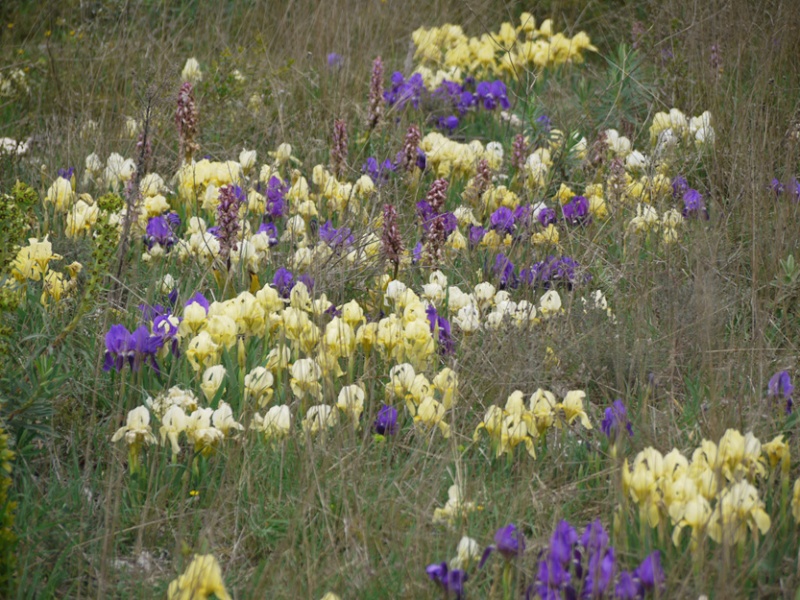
[202, 578]
[572, 405]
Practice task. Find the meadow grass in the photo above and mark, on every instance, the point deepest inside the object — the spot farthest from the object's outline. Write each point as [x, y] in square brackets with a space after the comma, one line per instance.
[699, 328]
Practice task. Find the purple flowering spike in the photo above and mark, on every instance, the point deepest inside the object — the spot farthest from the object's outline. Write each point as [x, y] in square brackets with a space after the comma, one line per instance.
[199, 299]
[283, 281]
[386, 421]
[615, 420]
[66, 173]
[118, 343]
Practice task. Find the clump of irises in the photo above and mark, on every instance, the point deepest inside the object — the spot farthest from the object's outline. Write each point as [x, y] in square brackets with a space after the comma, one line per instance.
[586, 566]
[549, 273]
[448, 97]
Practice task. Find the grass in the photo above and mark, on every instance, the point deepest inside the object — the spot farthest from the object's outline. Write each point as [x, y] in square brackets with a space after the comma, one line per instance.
[701, 325]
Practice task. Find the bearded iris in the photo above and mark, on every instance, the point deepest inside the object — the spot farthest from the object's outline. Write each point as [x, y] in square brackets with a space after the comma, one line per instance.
[134, 348]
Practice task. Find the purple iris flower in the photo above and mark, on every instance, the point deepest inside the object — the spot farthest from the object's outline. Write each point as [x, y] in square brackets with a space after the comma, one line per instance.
[544, 123]
[504, 269]
[386, 421]
[135, 348]
[508, 541]
[174, 220]
[450, 580]
[402, 91]
[626, 588]
[335, 60]
[199, 299]
[551, 579]
[793, 189]
[335, 237]
[306, 280]
[546, 216]
[599, 574]
[780, 384]
[446, 342]
[159, 231]
[679, 186]
[649, 572]
[422, 159]
[378, 172]
[66, 173]
[615, 420]
[271, 230]
[776, 186]
[449, 123]
[576, 211]
[425, 213]
[448, 92]
[491, 94]
[562, 542]
[476, 233]
[693, 205]
[552, 271]
[283, 280]
[466, 101]
[449, 222]
[276, 190]
[522, 215]
[164, 327]
[503, 220]
[416, 254]
[118, 343]
[150, 312]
